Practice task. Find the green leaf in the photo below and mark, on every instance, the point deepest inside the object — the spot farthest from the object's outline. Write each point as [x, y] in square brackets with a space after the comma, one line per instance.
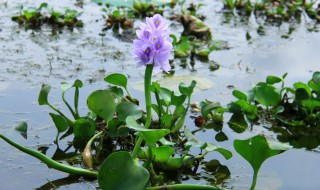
[102, 103]
[166, 95]
[177, 100]
[266, 94]
[314, 83]
[310, 104]
[60, 122]
[203, 52]
[120, 171]
[302, 85]
[164, 141]
[256, 150]
[166, 120]
[187, 90]
[125, 109]
[238, 123]
[162, 154]
[174, 38]
[116, 129]
[117, 79]
[182, 48]
[151, 136]
[43, 96]
[240, 95]
[22, 128]
[84, 128]
[208, 107]
[179, 124]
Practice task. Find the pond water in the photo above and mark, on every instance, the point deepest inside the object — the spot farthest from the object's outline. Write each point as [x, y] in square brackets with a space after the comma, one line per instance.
[30, 58]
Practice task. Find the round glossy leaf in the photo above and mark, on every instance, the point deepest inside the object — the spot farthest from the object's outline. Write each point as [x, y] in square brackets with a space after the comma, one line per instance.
[267, 95]
[119, 171]
[256, 150]
[102, 103]
[84, 128]
[125, 109]
[240, 95]
[273, 79]
[299, 85]
[162, 154]
[117, 79]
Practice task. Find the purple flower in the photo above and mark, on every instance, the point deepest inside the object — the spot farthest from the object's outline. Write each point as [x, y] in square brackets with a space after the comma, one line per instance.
[154, 44]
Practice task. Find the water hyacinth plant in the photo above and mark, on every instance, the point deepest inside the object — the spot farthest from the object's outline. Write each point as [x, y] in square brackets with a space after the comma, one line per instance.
[123, 147]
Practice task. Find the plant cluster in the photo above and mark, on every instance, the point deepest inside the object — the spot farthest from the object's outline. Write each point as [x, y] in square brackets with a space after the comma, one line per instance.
[274, 11]
[291, 107]
[34, 18]
[123, 146]
[117, 19]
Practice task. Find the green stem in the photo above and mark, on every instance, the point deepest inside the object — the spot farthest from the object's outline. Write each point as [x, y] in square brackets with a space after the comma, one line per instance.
[147, 91]
[76, 102]
[150, 156]
[51, 163]
[159, 106]
[69, 107]
[254, 180]
[184, 187]
[55, 109]
[93, 138]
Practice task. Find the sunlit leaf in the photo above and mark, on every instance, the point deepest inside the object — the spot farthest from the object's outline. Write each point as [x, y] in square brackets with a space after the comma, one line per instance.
[266, 95]
[162, 154]
[120, 171]
[240, 95]
[102, 103]
[273, 80]
[256, 150]
[304, 86]
[117, 79]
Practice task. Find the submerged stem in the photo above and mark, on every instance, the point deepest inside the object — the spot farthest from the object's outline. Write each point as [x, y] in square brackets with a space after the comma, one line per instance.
[51, 163]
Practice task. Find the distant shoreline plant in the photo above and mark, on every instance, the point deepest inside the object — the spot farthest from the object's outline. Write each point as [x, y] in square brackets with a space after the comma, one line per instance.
[34, 18]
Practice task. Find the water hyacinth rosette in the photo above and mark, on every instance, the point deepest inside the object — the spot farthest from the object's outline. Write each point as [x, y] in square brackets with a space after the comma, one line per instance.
[154, 44]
